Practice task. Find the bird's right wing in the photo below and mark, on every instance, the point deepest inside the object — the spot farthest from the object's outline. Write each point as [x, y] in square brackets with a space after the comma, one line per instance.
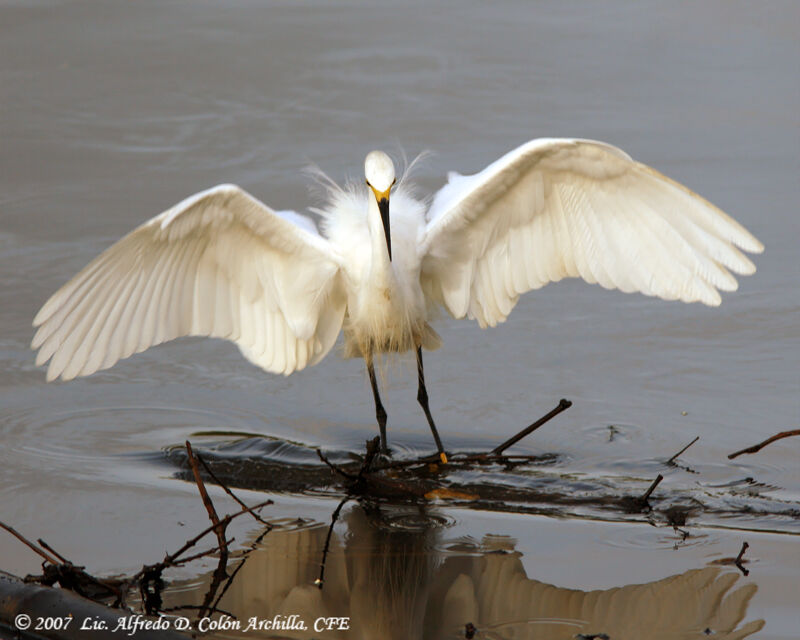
[559, 208]
[219, 264]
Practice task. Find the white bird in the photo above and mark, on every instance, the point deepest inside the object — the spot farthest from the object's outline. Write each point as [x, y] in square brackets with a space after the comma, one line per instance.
[223, 264]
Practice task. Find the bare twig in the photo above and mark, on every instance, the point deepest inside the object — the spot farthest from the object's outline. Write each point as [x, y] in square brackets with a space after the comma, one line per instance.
[758, 447]
[652, 488]
[202, 554]
[563, 405]
[219, 530]
[172, 559]
[336, 468]
[169, 560]
[220, 573]
[28, 543]
[673, 458]
[229, 492]
[46, 546]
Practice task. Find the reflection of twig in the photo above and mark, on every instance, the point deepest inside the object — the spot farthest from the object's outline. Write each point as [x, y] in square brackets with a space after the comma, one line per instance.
[738, 561]
[320, 581]
[253, 546]
[758, 447]
[563, 405]
[673, 458]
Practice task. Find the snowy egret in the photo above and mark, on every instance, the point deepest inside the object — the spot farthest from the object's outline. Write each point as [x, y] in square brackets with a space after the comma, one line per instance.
[223, 264]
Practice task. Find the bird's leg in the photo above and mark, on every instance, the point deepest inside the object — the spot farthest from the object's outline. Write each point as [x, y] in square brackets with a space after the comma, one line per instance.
[380, 412]
[422, 398]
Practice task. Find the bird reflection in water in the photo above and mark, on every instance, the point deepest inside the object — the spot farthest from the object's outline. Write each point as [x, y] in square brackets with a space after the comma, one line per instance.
[389, 575]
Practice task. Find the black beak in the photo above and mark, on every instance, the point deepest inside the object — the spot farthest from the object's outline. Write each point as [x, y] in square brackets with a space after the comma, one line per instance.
[383, 206]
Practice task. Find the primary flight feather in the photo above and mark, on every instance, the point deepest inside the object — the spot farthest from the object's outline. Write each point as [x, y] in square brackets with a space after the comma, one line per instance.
[223, 264]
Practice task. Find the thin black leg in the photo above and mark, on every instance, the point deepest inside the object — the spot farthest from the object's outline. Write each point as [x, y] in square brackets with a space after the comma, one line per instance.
[380, 412]
[422, 398]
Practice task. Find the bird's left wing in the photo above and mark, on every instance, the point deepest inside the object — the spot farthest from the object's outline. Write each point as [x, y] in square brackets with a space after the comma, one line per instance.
[557, 208]
[219, 264]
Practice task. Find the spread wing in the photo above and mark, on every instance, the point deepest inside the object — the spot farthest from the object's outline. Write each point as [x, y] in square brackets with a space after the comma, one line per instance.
[220, 264]
[558, 208]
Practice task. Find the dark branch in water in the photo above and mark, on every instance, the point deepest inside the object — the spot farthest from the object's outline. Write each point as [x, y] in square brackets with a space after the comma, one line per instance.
[673, 458]
[563, 405]
[46, 546]
[758, 447]
[652, 488]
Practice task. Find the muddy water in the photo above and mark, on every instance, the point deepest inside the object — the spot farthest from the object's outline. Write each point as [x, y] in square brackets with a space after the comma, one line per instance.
[113, 111]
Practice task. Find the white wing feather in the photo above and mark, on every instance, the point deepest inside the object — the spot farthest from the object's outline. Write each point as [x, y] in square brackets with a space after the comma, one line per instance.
[220, 264]
[557, 208]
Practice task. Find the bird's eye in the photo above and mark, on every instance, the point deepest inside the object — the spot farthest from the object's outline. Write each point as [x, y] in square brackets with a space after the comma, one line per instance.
[368, 184]
[393, 181]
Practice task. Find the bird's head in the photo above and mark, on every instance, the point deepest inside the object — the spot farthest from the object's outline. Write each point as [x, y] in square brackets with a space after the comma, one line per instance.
[379, 172]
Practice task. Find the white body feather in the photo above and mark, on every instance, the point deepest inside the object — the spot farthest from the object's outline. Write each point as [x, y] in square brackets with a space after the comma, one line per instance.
[386, 307]
[223, 264]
